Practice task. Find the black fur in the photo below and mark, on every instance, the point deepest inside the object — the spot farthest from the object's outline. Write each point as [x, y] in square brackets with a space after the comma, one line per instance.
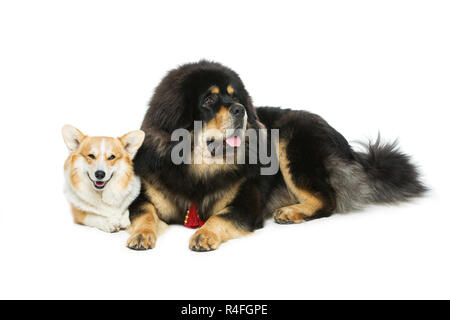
[176, 104]
[391, 173]
[319, 155]
[321, 160]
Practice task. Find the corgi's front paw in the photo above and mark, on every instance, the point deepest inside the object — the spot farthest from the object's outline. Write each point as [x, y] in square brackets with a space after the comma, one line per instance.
[102, 223]
[109, 226]
[125, 221]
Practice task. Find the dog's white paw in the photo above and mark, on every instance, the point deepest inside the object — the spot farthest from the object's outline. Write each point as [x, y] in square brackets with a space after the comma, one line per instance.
[125, 221]
[102, 223]
[108, 225]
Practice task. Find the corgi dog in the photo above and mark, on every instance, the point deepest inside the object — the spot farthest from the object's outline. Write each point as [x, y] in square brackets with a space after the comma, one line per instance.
[100, 182]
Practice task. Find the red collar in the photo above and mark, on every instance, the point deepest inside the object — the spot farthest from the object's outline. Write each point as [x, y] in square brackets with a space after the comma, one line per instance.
[192, 220]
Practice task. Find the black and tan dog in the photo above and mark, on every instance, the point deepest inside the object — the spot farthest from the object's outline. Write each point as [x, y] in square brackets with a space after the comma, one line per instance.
[319, 172]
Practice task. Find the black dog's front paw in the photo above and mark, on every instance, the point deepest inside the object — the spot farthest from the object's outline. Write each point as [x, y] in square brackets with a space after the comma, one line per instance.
[142, 240]
[204, 240]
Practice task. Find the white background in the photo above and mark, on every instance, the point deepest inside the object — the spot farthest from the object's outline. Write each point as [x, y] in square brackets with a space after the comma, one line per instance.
[362, 65]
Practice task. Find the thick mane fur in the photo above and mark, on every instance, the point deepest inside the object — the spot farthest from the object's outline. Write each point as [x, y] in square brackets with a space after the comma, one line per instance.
[172, 105]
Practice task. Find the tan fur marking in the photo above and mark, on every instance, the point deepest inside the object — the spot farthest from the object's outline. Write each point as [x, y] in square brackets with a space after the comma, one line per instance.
[74, 175]
[226, 198]
[78, 215]
[67, 163]
[260, 125]
[215, 231]
[230, 90]
[206, 169]
[218, 121]
[128, 174]
[165, 207]
[215, 90]
[145, 229]
[92, 144]
[309, 203]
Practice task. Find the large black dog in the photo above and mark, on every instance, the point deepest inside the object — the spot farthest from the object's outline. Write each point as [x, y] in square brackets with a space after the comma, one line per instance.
[318, 174]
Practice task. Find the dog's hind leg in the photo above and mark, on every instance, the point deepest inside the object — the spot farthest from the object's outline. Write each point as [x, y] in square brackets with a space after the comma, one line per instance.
[301, 212]
[312, 199]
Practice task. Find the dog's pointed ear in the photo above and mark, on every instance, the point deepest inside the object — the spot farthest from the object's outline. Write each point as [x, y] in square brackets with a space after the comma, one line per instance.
[72, 137]
[132, 141]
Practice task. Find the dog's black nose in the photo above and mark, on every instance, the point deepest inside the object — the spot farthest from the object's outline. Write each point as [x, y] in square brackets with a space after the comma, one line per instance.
[99, 174]
[237, 110]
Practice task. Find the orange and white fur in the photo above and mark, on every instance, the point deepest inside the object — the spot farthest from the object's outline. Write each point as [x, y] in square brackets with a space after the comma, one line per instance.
[99, 180]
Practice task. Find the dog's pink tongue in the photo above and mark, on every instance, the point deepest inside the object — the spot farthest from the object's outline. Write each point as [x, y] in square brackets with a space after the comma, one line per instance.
[99, 183]
[233, 141]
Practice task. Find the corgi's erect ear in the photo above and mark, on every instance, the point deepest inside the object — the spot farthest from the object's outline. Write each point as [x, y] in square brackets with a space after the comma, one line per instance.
[132, 141]
[72, 137]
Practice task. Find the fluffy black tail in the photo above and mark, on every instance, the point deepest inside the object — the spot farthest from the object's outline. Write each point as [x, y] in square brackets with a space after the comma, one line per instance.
[380, 174]
[391, 175]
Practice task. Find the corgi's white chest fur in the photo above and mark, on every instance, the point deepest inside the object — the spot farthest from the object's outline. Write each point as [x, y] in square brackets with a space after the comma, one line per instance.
[109, 203]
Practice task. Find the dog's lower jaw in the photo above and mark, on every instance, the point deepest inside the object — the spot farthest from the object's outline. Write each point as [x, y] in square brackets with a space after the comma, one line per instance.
[99, 185]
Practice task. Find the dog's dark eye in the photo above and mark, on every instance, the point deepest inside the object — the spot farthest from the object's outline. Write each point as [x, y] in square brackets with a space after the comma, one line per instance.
[209, 100]
[235, 99]
[91, 156]
[112, 157]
